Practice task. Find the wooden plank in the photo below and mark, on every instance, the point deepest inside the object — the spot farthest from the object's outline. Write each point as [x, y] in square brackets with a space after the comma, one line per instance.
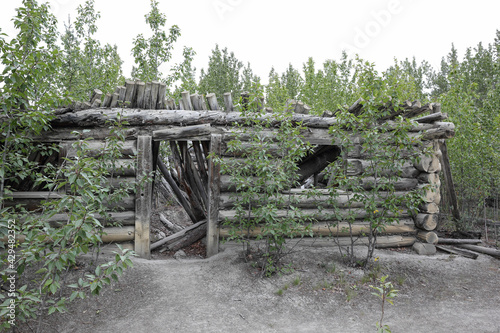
[143, 203]
[214, 197]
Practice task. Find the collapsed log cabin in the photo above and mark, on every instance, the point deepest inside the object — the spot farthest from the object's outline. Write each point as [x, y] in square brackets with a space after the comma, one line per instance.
[196, 126]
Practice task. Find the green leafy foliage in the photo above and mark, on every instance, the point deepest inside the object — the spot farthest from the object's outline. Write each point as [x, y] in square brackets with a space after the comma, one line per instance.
[260, 181]
[386, 293]
[225, 73]
[387, 146]
[86, 65]
[150, 53]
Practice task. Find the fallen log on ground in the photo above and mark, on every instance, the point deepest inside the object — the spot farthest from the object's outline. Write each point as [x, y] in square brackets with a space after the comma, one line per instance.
[191, 230]
[459, 252]
[482, 249]
[458, 241]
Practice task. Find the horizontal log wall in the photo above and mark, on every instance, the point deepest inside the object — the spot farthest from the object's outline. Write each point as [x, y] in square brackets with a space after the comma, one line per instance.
[123, 174]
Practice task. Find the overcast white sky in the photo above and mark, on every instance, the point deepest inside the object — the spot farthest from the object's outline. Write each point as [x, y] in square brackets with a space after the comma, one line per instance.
[270, 33]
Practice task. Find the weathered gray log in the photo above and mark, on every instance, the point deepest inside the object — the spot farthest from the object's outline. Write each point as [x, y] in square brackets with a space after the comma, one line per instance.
[458, 241]
[201, 159]
[357, 167]
[341, 229]
[96, 103]
[111, 235]
[186, 100]
[228, 102]
[481, 249]
[155, 88]
[430, 194]
[426, 221]
[316, 214]
[114, 100]
[107, 100]
[195, 102]
[429, 178]
[176, 133]
[123, 168]
[97, 148]
[121, 91]
[171, 117]
[162, 95]
[189, 238]
[297, 106]
[143, 207]
[448, 179]
[130, 92]
[96, 94]
[168, 177]
[170, 225]
[417, 110]
[212, 102]
[428, 237]
[424, 248]
[429, 164]
[141, 89]
[171, 104]
[314, 199]
[432, 118]
[121, 218]
[171, 239]
[400, 184]
[86, 105]
[444, 131]
[428, 208]
[214, 197]
[457, 251]
[356, 107]
[148, 101]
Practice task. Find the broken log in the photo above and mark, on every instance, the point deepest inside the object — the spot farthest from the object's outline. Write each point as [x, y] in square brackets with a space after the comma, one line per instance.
[177, 236]
[459, 252]
[178, 194]
[170, 225]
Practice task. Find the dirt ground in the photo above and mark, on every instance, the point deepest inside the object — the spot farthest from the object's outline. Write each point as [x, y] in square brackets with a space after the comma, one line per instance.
[439, 293]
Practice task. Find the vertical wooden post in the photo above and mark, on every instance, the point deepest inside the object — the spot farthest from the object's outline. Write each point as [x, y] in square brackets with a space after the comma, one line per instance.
[144, 195]
[214, 197]
[448, 179]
